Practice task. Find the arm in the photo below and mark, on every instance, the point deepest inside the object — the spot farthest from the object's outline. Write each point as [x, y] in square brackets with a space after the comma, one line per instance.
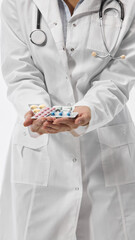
[110, 89]
[25, 82]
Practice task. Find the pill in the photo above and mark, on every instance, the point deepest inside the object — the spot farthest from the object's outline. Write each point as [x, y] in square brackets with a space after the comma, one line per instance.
[68, 114]
[61, 113]
[52, 113]
[36, 110]
[33, 106]
[42, 106]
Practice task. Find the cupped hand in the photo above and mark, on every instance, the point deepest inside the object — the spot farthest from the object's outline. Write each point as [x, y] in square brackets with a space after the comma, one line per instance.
[83, 118]
[52, 125]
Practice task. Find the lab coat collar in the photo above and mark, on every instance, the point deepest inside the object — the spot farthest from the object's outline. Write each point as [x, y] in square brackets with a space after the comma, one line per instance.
[50, 8]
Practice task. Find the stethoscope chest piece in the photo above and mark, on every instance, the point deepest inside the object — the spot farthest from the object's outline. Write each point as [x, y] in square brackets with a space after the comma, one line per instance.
[38, 37]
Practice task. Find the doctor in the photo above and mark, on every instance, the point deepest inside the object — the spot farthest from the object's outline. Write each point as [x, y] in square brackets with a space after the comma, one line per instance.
[69, 179]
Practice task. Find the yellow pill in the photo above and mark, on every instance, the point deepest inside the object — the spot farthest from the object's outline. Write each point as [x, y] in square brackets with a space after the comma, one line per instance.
[42, 106]
[33, 106]
[36, 110]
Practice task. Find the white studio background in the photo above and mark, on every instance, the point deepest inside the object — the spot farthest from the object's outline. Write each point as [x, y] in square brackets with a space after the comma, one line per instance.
[8, 118]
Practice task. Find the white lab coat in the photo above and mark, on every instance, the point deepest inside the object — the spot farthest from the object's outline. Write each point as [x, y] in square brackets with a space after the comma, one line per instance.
[58, 186]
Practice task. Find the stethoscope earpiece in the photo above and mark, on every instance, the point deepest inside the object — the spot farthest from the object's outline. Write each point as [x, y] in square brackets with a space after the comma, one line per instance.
[122, 56]
[94, 54]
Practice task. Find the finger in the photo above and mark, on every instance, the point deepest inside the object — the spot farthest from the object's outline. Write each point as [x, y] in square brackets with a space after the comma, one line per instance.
[50, 119]
[64, 121]
[83, 119]
[68, 123]
[47, 130]
[49, 124]
[28, 121]
[61, 128]
[37, 124]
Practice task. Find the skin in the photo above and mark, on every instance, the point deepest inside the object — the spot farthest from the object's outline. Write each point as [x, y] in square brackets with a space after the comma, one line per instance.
[71, 4]
[52, 125]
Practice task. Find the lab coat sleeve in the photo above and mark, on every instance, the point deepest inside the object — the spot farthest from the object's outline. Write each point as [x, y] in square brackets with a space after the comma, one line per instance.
[25, 82]
[110, 90]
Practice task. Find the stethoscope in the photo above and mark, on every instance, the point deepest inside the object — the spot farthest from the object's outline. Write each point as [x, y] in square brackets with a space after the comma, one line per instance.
[109, 53]
[39, 37]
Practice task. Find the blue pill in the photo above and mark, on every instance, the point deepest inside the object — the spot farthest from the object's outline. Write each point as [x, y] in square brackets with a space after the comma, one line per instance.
[52, 113]
[68, 114]
[61, 113]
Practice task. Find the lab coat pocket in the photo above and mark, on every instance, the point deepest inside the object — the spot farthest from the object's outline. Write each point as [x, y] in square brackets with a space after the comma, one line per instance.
[30, 160]
[118, 153]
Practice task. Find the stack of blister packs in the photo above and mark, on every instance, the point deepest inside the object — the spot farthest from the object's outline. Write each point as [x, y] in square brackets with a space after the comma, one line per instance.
[40, 110]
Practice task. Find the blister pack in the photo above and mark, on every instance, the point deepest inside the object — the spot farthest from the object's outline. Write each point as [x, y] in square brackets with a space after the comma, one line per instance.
[40, 110]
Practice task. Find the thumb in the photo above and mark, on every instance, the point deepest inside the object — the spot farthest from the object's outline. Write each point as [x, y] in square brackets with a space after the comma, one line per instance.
[28, 121]
[82, 120]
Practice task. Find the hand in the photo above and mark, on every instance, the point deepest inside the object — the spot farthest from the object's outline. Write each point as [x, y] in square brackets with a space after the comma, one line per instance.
[53, 125]
[45, 125]
[36, 125]
[83, 118]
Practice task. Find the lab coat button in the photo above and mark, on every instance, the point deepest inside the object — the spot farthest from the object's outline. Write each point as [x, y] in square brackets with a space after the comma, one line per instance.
[74, 25]
[55, 23]
[77, 188]
[72, 49]
[74, 159]
[64, 48]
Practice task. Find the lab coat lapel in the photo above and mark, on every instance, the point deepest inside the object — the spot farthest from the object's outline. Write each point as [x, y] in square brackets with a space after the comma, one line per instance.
[51, 14]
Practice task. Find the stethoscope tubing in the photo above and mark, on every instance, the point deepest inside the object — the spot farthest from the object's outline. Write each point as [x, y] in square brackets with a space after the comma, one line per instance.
[38, 19]
[121, 7]
[102, 29]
